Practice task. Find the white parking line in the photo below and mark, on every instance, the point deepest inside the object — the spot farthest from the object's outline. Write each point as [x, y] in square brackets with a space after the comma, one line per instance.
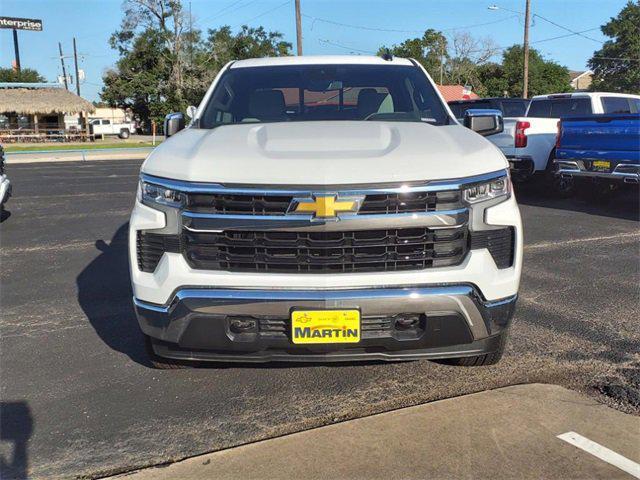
[545, 245]
[603, 453]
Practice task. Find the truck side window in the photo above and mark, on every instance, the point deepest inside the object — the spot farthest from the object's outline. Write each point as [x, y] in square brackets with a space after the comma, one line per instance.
[540, 108]
[106, 122]
[616, 105]
[559, 107]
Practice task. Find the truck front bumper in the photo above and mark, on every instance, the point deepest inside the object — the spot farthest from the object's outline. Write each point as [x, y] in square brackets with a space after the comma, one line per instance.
[619, 171]
[446, 321]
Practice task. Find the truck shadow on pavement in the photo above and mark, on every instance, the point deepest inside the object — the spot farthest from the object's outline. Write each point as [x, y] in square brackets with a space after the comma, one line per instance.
[16, 427]
[104, 294]
[623, 204]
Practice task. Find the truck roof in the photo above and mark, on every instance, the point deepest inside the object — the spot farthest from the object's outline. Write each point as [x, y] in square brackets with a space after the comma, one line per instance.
[582, 94]
[320, 60]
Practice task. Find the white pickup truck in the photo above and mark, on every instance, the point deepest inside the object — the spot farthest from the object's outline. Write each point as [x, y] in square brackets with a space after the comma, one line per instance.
[325, 209]
[528, 142]
[105, 127]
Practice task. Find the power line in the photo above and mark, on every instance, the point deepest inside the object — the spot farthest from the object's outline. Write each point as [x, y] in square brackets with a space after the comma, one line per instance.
[227, 10]
[345, 47]
[623, 59]
[498, 49]
[565, 36]
[566, 28]
[267, 12]
[393, 30]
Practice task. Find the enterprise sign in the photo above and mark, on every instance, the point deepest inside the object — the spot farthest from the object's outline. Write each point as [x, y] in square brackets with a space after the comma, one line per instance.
[21, 23]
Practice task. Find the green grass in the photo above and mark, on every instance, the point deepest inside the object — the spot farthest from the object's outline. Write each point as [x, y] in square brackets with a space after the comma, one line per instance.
[75, 146]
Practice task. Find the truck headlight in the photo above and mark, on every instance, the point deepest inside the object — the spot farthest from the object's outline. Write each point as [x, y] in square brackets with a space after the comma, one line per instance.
[498, 187]
[151, 193]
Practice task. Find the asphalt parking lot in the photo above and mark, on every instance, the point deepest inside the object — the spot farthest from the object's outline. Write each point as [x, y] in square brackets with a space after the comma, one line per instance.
[79, 398]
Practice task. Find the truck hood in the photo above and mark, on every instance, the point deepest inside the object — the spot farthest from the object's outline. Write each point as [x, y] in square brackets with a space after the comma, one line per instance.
[324, 153]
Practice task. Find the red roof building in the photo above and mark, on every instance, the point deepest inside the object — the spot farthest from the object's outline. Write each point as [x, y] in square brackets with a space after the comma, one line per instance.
[456, 92]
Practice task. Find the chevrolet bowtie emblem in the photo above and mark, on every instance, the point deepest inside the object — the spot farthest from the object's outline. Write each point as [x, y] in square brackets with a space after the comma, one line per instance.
[325, 206]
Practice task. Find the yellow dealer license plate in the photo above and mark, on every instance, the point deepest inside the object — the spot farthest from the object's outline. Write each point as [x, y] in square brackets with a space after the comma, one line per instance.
[601, 165]
[325, 326]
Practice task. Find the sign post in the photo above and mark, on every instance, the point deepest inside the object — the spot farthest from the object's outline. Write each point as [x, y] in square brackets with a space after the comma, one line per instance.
[16, 24]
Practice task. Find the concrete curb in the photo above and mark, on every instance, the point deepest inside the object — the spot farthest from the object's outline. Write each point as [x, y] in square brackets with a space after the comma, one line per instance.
[512, 432]
[15, 158]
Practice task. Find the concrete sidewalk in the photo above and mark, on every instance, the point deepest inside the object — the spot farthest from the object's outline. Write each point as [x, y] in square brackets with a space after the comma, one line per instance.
[510, 432]
[14, 158]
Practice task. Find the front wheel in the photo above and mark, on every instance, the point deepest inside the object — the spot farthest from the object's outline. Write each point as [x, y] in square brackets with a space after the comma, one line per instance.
[124, 133]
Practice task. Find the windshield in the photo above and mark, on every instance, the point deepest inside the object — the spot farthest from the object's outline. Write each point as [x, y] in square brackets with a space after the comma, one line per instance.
[323, 92]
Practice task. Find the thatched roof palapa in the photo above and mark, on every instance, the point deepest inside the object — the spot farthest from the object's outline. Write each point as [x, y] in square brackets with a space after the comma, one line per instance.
[43, 101]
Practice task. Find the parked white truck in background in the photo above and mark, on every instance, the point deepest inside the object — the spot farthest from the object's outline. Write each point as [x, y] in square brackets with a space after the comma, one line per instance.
[325, 209]
[528, 142]
[5, 184]
[105, 127]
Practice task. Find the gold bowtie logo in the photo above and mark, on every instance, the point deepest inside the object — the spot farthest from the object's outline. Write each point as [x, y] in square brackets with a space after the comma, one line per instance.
[326, 206]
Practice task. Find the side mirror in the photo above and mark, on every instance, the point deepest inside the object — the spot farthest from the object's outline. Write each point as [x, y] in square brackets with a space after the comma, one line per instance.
[484, 121]
[173, 123]
[191, 112]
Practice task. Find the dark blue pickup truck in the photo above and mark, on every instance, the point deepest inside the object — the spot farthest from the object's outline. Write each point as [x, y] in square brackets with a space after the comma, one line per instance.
[604, 148]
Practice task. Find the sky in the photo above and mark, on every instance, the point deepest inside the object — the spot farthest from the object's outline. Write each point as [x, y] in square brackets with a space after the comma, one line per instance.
[329, 27]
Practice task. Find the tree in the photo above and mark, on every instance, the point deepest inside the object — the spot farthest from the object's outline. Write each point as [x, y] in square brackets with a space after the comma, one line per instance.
[141, 80]
[467, 55]
[223, 46]
[26, 75]
[545, 76]
[492, 81]
[148, 77]
[430, 50]
[164, 66]
[616, 66]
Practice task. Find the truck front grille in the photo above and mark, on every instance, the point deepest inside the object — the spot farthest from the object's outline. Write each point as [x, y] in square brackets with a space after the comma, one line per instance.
[371, 326]
[410, 202]
[499, 241]
[325, 252]
[331, 252]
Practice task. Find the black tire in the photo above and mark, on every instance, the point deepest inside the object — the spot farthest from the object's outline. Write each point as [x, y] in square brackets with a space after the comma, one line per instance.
[563, 186]
[161, 363]
[479, 360]
[124, 133]
[603, 191]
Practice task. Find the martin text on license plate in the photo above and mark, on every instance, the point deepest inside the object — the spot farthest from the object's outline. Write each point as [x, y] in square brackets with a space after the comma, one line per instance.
[325, 326]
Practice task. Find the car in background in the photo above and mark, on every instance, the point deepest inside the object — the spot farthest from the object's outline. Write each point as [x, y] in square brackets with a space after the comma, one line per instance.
[604, 149]
[510, 107]
[105, 127]
[528, 142]
[5, 184]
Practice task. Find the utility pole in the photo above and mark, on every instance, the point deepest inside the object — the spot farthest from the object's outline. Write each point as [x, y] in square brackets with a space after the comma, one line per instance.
[75, 61]
[83, 121]
[64, 70]
[190, 35]
[15, 47]
[525, 86]
[299, 27]
[441, 61]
